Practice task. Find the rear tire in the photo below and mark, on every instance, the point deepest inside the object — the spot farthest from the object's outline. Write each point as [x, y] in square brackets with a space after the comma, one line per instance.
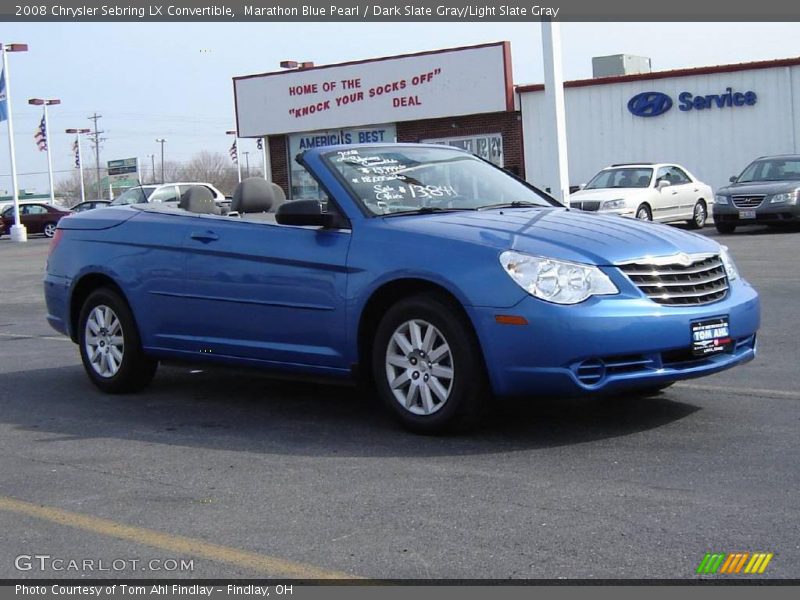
[724, 227]
[110, 345]
[699, 215]
[428, 366]
[643, 213]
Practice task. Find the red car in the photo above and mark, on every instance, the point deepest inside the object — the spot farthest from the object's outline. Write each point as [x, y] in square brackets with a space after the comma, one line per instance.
[37, 218]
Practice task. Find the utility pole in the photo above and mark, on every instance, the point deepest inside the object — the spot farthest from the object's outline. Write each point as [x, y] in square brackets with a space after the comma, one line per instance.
[153, 163]
[96, 139]
[162, 141]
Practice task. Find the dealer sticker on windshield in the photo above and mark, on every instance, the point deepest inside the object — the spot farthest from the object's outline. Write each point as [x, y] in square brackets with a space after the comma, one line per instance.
[711, 336]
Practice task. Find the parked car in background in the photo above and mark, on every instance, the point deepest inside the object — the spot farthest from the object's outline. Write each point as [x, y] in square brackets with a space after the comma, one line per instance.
[166, 193]
[37, 218]
[766, 193]
[662, 192]
[435, 274]
[89, 205]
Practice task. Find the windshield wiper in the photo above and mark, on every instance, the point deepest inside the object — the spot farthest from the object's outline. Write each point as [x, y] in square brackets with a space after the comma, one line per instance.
[514, 204]
[425, 210]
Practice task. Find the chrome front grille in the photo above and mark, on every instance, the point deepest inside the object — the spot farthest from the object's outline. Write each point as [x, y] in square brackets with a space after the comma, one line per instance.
[681, 280]
[747, 201]
[588, 205]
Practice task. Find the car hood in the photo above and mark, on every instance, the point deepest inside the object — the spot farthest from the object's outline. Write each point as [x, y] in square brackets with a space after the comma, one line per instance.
[760, 187]
[558, 233]
[606, 193]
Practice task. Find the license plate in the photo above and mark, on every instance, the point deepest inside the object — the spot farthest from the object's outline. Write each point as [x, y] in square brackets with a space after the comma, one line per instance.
[747, 214]
[711, 336]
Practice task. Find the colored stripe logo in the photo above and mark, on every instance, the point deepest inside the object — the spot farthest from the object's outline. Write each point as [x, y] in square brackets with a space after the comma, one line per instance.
[733, 563]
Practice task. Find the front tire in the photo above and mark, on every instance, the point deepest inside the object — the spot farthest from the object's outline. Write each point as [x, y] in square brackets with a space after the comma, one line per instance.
[643, 213]
[724, 227]
[428, 366]
[50, 230]
[110, 346]
[699, 215]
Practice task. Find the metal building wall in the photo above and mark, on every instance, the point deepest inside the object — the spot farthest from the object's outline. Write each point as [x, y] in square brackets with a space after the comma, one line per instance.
[713, 143]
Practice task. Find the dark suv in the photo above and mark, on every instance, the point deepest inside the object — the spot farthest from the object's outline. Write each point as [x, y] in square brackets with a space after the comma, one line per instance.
[767, 192]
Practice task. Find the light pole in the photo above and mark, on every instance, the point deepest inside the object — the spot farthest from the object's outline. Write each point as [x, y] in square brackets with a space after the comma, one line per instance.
[162, 141]
[78, 133]
[247, 163]
[18, 231]
[44, 104]
[236, 141]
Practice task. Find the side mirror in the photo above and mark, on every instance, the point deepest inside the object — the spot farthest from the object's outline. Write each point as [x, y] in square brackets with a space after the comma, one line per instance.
[733, 178]
[662, 183]
[303, 212]
[581, 186]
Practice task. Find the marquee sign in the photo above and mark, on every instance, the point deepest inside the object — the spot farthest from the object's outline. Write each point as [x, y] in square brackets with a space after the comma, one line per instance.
[447, 83]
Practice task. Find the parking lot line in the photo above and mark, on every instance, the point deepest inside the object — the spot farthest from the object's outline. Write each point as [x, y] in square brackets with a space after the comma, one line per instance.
[740, 390]
[268, 565]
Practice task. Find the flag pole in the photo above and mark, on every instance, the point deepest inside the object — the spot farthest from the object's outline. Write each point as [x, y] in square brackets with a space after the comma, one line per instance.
[48, 138]
[265, 158]
[238, 163]
[18, 231]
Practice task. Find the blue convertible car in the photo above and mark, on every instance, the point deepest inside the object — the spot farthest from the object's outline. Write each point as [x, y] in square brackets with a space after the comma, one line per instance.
[439, 277]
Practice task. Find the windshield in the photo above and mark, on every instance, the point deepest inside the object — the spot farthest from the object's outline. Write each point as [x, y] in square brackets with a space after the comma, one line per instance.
[773, 169]
[621, 178]
[137, 195]
[408, 179]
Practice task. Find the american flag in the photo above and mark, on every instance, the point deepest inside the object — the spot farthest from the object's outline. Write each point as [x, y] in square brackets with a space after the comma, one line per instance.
[41, 135]
[77, 153]
[234, 153]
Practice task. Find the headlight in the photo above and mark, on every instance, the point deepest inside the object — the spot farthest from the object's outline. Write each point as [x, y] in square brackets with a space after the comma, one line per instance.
[557, 281]
[785, 197]
[613, 204]
[730, 266]
[721, 200]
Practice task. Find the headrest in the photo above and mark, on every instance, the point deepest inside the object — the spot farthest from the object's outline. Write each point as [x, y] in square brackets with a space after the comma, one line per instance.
[253, 195]
[198, 199]
[279, 196]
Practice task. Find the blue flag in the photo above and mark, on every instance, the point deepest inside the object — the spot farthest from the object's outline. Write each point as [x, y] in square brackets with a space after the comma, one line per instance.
[3, 101]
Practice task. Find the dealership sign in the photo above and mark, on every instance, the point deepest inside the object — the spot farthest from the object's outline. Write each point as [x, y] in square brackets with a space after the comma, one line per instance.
[652, 104]
[428, 85]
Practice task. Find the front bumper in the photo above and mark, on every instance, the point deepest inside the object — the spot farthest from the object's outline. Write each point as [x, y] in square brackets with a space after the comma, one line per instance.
[608, 343]
[766, 213]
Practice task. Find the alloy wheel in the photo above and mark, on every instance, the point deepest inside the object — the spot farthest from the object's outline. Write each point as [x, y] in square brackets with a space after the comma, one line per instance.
[699, 214]
[104, 341]
[419, 367]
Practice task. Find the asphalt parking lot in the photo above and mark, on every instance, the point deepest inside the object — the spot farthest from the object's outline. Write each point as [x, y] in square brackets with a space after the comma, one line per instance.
[251, 477]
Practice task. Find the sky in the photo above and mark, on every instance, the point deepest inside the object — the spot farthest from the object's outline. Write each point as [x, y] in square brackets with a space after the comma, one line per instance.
[174, 80]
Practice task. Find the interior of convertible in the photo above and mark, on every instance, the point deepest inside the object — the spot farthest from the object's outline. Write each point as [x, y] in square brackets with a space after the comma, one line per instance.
[254, 200]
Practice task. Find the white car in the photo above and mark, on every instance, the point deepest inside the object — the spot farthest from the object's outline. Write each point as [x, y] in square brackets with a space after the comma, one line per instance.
[660, 192]
[165, 193]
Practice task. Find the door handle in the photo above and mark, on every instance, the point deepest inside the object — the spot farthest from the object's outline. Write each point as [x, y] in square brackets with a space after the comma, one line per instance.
[204, 236]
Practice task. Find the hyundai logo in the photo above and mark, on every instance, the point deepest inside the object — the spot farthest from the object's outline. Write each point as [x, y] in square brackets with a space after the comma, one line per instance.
[649, 104]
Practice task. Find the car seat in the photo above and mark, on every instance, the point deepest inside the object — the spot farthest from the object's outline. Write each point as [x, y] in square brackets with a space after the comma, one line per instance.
[279, 196]
[198, 199]
[253, 198]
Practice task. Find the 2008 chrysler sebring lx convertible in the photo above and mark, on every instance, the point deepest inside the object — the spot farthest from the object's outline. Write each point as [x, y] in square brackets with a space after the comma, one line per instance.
[439, 277]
